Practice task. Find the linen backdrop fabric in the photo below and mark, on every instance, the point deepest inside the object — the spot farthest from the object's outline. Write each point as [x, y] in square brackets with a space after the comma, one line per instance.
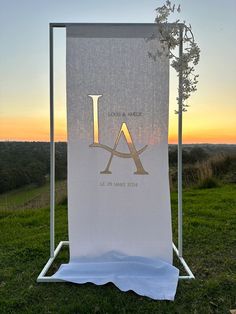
[119, 212]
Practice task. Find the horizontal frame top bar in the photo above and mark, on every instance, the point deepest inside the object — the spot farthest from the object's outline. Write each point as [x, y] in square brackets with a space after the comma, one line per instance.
[112, 30]
[59, 25]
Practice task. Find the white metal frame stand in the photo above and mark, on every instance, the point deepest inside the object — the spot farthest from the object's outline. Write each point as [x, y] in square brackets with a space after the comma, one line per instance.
[54, 252]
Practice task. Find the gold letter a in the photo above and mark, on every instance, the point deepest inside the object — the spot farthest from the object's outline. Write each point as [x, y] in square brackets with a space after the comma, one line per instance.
[133, 152]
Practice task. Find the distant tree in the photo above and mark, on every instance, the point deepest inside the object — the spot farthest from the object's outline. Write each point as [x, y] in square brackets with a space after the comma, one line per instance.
[5, 184]
[61, 161]
[19, 176]
[197, 154]
[173, 157]
[185, 157]
[36, 172]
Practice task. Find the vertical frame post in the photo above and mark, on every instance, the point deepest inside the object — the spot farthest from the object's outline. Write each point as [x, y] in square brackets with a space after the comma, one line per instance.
[180, 125]
[52, 145]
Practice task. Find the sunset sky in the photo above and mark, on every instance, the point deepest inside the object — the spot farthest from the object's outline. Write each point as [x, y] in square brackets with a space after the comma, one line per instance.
[24, 88]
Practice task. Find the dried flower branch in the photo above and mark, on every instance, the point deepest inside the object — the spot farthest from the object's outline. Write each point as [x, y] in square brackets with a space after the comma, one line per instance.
[170, 38]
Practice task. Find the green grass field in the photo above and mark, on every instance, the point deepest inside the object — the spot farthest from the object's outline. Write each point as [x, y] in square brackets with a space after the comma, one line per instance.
[209, 249]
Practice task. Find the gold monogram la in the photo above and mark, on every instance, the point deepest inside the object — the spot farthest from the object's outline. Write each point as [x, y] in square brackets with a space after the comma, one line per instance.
[134, 154]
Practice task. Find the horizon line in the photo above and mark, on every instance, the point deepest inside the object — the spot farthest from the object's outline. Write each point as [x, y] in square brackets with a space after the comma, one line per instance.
[194, 143]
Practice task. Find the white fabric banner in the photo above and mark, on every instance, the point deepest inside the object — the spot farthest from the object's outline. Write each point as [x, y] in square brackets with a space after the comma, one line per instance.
[118, 189]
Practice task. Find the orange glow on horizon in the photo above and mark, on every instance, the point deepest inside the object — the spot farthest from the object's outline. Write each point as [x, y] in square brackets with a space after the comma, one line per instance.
[38, 129]
[30, 129]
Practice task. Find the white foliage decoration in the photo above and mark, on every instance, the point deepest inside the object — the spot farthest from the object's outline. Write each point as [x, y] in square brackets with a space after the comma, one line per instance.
[170, 38]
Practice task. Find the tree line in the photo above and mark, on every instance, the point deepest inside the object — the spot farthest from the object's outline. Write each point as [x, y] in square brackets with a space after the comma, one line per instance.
[23, 163]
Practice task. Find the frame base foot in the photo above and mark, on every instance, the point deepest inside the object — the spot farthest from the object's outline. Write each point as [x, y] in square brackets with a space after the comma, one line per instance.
[43, 278]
